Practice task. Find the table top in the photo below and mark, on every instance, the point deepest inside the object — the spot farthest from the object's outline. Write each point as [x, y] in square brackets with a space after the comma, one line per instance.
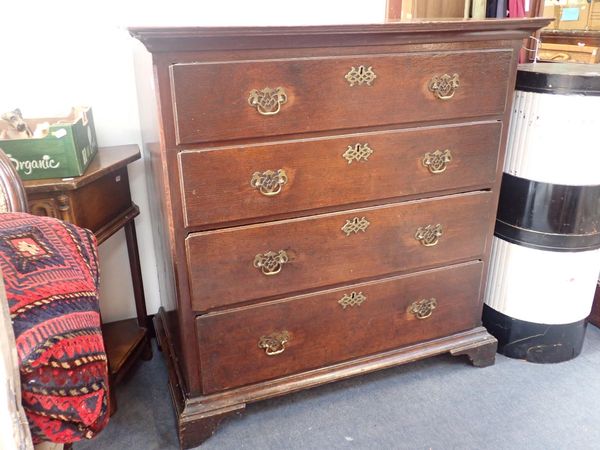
[105, 161]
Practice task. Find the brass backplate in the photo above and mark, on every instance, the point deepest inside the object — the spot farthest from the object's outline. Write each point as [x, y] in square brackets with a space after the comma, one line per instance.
[429, 235]
[444, 86]
[422, 309]
[267, 101]
[271, 263]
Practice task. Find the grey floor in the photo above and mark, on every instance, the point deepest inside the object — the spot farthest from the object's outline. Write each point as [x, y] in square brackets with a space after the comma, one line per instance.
[439, 403]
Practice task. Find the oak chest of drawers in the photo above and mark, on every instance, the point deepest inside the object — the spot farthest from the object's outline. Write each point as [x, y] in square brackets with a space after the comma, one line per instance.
[325, 200]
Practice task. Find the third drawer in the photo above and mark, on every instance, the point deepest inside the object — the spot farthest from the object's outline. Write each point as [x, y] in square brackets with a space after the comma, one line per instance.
[241, 264]
[252, 181]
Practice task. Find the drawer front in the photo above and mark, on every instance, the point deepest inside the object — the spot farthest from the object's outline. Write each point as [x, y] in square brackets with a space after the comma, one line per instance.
[229, 100]
[253, 181]
[266, 341]
[251, 262]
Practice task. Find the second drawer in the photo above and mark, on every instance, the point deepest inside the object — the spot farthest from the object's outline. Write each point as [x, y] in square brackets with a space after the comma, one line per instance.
[253, 181]
[245, 263]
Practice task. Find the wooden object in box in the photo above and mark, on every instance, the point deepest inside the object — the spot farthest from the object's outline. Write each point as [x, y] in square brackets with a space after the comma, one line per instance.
[579, 38]
[100, 200]
[326, 199]
[568, 53]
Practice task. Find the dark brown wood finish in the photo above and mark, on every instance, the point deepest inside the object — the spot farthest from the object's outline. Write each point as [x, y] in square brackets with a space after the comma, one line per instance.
[216, 191]
[100, 200]
[322, 332]
[320, 98]
[124, 341]
[321, 254]
[219, 50]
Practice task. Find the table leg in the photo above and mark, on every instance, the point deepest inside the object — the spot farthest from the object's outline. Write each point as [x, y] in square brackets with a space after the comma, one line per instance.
[138, 286]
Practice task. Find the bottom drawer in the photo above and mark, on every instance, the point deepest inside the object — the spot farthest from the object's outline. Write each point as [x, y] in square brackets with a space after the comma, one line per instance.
[260, 342]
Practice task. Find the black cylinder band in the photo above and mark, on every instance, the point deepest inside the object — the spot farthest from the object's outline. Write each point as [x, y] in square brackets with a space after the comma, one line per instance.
[548, 216]
[563, 79]
[534, 342]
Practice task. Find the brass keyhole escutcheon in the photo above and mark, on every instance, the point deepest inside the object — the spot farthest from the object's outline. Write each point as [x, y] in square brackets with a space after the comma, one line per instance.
[357, 152]
[353, 299]
[360, 75]
[355, 225]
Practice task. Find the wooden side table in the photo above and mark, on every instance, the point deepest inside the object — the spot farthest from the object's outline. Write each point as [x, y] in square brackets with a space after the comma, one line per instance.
[100, 200]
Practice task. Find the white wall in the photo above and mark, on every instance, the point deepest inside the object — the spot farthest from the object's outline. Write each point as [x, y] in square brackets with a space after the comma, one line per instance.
[62, 53]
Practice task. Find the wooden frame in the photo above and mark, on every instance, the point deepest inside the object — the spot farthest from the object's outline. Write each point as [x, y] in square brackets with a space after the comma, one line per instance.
[12, 192]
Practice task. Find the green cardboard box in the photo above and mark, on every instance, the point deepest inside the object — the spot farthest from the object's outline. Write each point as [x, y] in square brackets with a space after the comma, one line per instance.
[66, 151]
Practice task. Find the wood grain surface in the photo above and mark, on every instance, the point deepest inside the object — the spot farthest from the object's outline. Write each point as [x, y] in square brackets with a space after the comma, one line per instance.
[322, 332]
[216, 182]
[220, 263]
[211, 99]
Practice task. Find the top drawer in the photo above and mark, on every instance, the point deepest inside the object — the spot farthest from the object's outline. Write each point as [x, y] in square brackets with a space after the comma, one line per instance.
[231, 100]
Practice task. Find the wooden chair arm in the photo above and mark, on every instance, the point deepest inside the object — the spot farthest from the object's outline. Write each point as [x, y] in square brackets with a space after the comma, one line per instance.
[12, 193]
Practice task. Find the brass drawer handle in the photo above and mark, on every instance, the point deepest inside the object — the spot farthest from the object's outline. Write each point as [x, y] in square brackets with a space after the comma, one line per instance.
[422, 309]
[269, 182]
[355, 225]
[429, 235]
[271, 263]
[437, 162]
[267, 101]
[360, 75]
[274, 343]
[357, 152]
[352, 299]
[445, 86]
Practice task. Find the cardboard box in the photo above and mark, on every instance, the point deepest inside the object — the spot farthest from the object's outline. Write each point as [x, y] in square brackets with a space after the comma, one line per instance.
[594, 18]
[568, 14]
[65, 152]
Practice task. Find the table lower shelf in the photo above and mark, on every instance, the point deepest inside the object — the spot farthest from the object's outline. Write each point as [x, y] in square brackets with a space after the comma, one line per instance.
[125, 342]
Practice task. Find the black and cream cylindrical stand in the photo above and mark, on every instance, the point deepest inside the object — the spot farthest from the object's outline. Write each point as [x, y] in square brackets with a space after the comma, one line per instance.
[546, 250]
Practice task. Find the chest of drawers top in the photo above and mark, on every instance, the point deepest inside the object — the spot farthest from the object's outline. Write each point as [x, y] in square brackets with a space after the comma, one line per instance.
[234, 84]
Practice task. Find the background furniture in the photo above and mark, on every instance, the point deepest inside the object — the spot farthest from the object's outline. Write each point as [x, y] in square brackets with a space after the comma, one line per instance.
[100, 200]
[327, 198]
[546, 252]
[585, 45]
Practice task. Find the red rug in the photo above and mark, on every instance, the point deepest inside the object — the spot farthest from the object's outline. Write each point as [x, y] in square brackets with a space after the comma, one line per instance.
[50, 271]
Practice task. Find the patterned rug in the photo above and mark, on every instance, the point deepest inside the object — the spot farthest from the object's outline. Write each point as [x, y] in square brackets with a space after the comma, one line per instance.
[50, 271]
